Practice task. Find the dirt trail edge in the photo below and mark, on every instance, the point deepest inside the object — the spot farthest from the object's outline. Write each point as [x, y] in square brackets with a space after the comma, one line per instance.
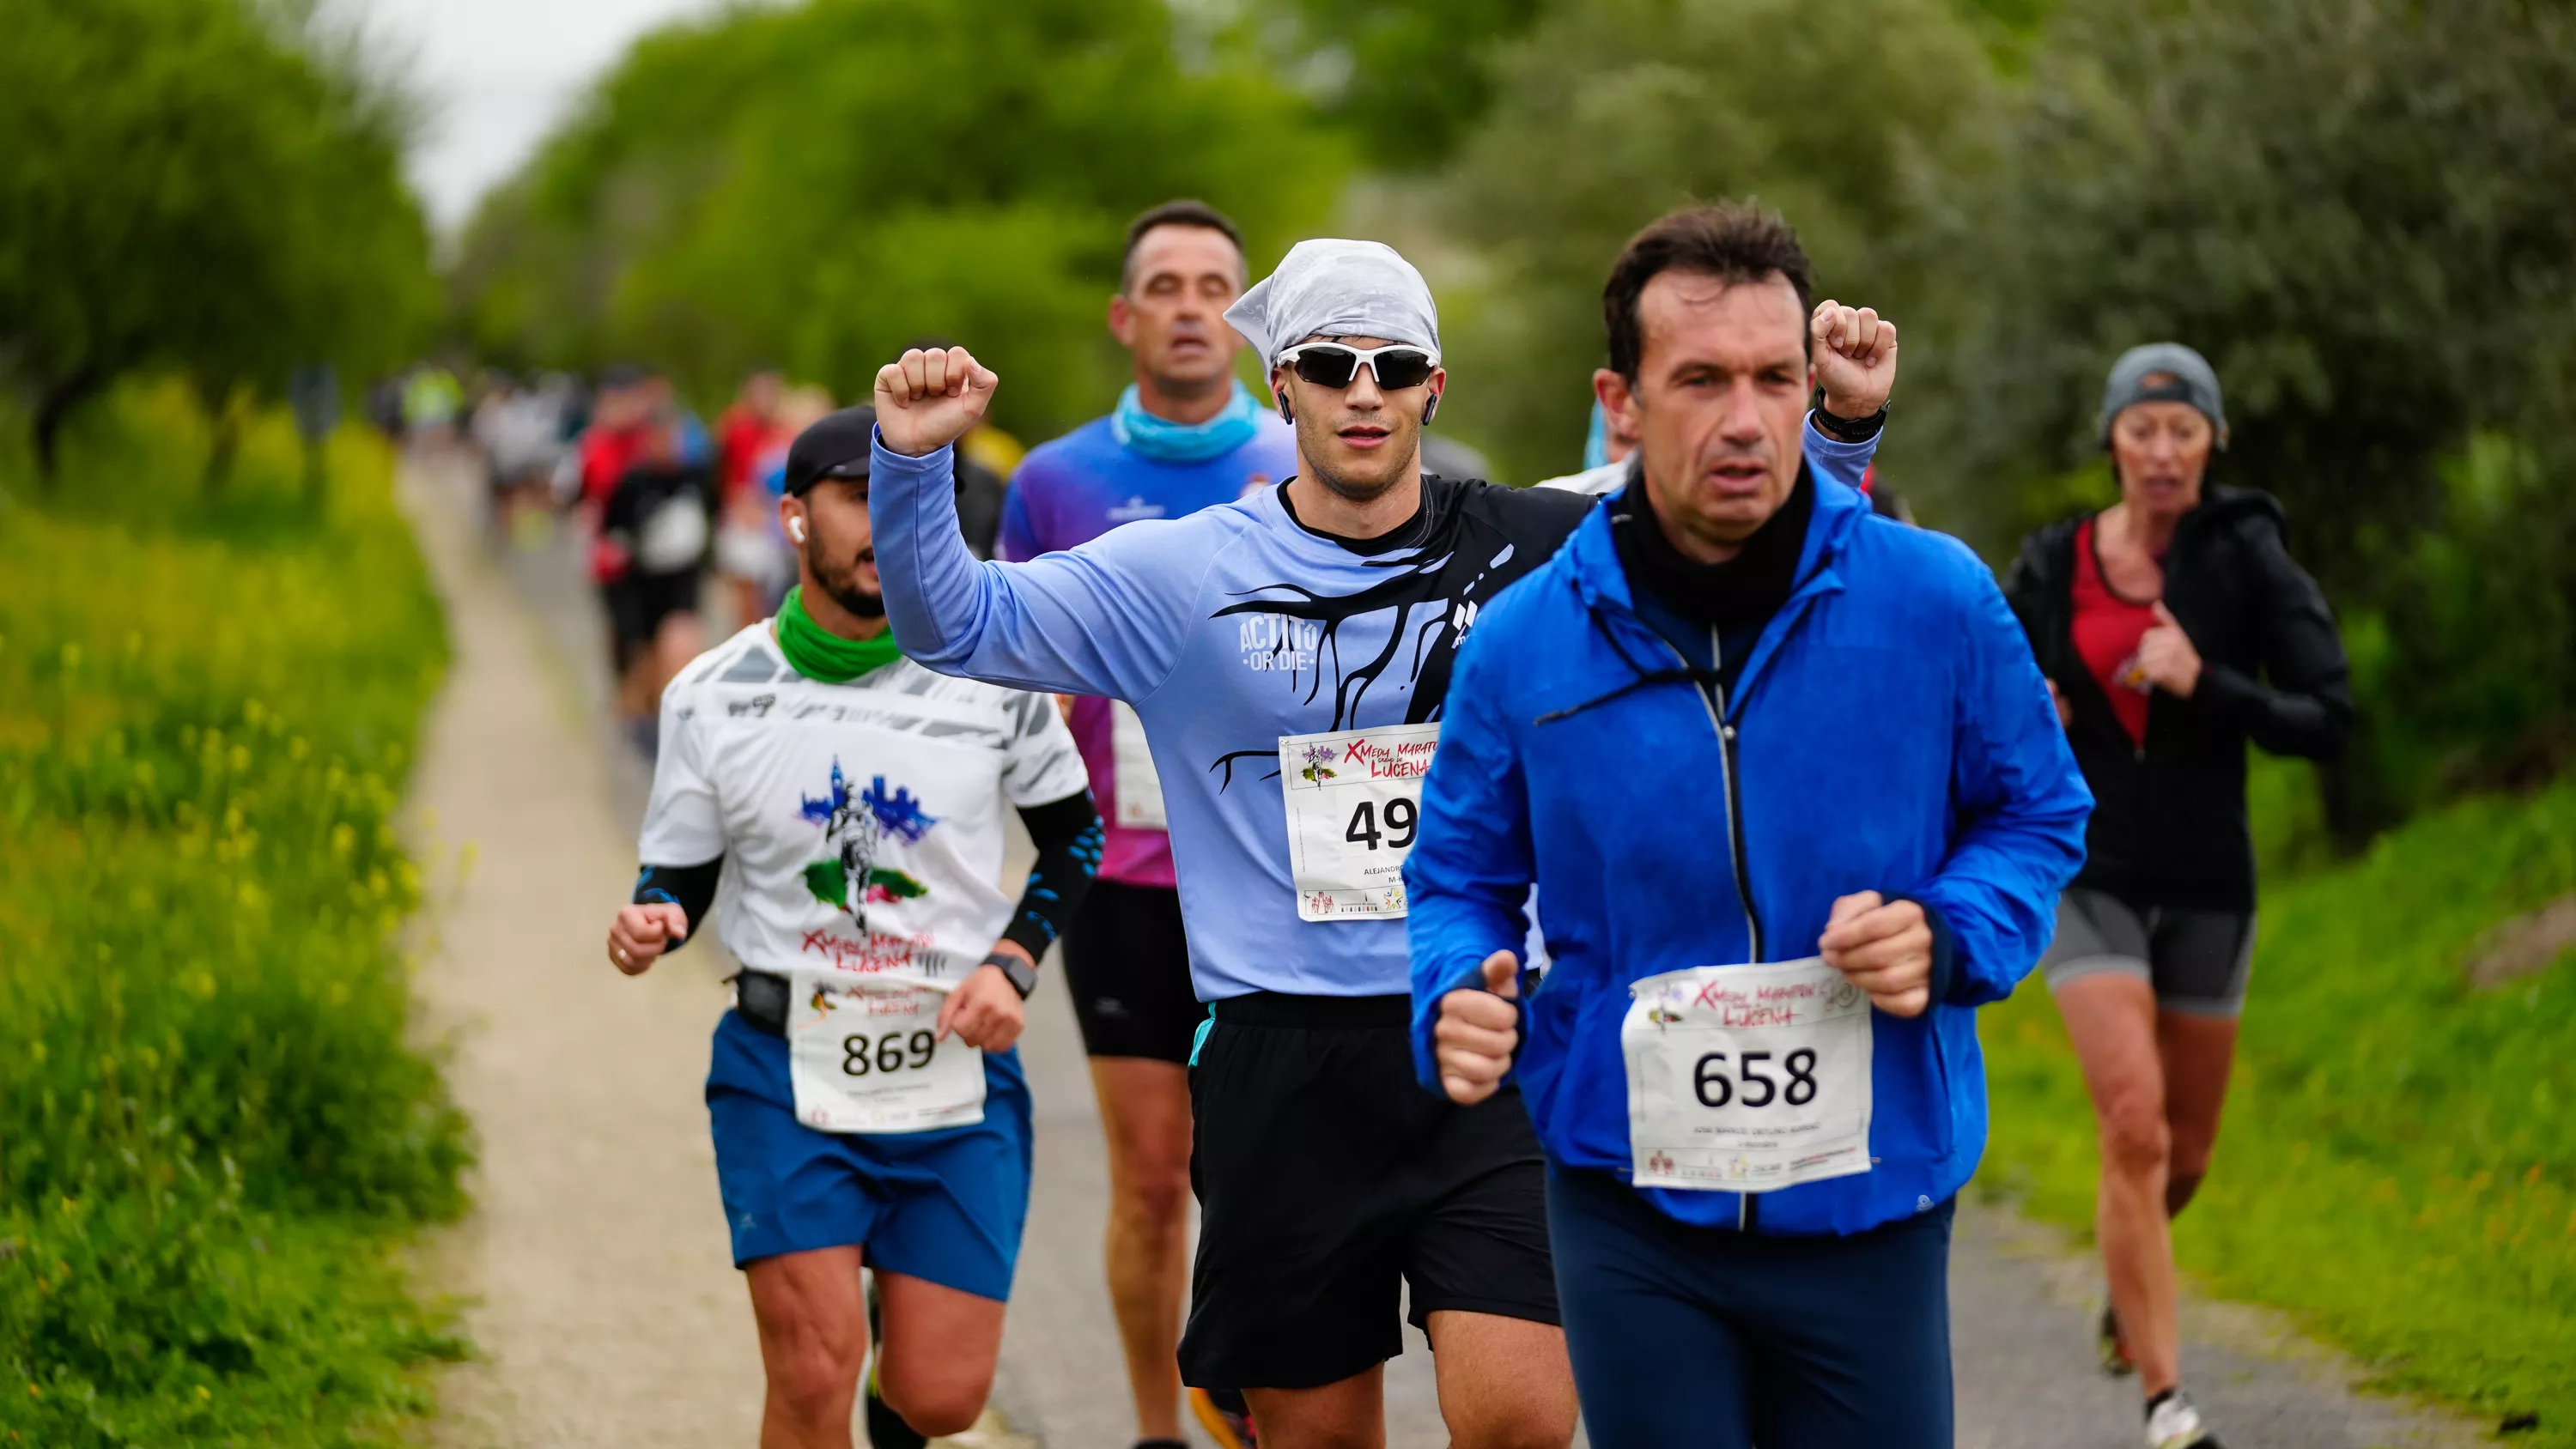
[604, 1304]
[605, 1308]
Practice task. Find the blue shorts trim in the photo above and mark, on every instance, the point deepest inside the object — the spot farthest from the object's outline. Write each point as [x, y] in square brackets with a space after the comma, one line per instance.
[945, 1206]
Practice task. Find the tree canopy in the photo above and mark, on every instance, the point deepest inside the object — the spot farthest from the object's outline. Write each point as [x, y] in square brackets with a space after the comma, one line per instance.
[2358, 209]
[817, 186]
[197, 185]
[1609, 114]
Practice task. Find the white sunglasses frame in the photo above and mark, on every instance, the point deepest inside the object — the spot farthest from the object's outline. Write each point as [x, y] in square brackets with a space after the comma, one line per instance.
[1367, 356]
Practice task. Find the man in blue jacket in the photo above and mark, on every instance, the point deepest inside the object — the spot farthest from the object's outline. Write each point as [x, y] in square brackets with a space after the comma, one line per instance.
[1798, 803]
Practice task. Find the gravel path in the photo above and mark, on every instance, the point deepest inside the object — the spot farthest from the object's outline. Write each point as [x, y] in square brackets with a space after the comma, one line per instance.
[605, 1308]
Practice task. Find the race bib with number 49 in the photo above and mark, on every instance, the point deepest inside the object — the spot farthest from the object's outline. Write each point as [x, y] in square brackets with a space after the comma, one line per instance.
[866, 1057]
[1747, 1078]
[1354, 802]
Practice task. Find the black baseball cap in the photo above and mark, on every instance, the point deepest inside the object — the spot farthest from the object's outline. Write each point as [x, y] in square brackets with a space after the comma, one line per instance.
[835, 447]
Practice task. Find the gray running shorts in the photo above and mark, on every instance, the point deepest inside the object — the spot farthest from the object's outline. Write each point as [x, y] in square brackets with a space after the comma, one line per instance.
[2196, 959]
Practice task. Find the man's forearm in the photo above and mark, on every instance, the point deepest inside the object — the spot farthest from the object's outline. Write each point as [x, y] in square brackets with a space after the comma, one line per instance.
[1844, 461]
[690, 887]
[1068, 837]
[923, 565]
[1066, 623]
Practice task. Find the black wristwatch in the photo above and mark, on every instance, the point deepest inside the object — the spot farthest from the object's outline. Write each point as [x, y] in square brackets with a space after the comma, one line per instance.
[1850, 430]
[1023, 976]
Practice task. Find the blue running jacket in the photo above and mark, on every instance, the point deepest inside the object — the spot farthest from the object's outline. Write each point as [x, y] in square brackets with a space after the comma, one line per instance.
[1889, 732]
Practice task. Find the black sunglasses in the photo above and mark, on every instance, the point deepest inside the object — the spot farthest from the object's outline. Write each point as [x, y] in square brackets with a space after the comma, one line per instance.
[1334, 364]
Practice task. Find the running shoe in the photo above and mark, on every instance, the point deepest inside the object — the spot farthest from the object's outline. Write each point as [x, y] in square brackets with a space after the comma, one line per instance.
[2172, 1423]
[1226, 1417]
[886, 1428]
[2111, 1345]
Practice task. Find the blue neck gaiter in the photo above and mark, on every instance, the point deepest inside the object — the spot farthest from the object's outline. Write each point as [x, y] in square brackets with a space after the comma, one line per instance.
[1166, 441]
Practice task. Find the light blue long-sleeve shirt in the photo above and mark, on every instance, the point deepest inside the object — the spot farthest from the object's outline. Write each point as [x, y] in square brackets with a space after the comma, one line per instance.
[1226, 630]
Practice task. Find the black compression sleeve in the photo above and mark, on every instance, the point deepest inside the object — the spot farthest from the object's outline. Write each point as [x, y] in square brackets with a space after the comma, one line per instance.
[690, 887]
[1069, 841]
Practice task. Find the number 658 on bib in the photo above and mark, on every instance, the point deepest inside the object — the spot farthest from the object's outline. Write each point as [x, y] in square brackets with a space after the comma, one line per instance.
[1747, 1078]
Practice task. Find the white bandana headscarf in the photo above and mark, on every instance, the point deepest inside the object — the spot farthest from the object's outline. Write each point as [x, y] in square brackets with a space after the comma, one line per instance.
[1336, 288]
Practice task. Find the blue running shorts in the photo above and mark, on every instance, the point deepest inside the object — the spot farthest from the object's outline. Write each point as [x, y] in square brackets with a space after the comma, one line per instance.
[944, 1206]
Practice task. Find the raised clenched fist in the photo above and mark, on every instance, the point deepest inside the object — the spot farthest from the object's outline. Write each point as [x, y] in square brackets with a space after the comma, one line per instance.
[1855, 358]
[927, 399]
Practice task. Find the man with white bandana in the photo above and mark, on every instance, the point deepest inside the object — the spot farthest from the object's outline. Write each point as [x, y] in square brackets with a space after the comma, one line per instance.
[1185, 436]
[1288, 655]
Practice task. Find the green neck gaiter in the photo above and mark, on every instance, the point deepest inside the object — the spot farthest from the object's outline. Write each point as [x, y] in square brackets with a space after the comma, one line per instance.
[819, 654]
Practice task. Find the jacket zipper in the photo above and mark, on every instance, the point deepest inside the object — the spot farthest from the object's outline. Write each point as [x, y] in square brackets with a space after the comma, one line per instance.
[1716, 712]
[1744, 1201]
[1726, 780]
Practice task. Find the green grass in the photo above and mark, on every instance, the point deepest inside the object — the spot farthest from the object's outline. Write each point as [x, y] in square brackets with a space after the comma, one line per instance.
[2398, 1161]
[214, 1134]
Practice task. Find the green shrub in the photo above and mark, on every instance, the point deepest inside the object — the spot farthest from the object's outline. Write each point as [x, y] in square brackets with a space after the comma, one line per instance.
[2398, 1161]
[213, 1128]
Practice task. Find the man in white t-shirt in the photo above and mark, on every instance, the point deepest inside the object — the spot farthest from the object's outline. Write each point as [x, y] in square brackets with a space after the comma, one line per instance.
[847, 805]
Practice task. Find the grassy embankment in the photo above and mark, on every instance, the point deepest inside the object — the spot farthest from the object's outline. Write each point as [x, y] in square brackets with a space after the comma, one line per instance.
[2398, 1162]
[213, 1133]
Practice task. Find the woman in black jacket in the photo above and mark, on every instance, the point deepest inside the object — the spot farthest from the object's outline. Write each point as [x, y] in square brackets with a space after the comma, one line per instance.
[2173, 627]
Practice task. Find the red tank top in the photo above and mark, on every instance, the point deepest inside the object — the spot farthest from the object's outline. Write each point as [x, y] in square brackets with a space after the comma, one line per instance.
[2107, 628]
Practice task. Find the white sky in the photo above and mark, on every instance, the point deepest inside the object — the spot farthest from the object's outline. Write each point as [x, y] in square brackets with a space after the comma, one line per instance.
[498, 75]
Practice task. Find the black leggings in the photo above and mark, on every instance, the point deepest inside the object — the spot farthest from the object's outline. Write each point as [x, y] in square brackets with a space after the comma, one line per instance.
[1720, 1340]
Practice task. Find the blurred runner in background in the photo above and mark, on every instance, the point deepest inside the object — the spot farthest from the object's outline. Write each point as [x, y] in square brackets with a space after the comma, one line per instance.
[637, 423]
[619, 407]
[653, 528]
[384, 407]
[767, 556]
[1185, 435]
[750, 427]
[430, 400]
[520, 432]
[747, 558]
[997, 451]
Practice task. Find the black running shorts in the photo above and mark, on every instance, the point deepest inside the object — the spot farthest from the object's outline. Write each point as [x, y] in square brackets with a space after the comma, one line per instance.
[2196, 959]
[638, 603]
[1325, 1174]
[1127, 964]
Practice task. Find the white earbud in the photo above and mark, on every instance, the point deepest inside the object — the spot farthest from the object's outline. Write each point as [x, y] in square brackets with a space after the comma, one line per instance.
[796, 529]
